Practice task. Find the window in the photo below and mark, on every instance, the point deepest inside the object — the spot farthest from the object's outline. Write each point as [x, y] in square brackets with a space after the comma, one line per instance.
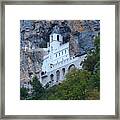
[42, 73]
[71, 67]
[51, 48]
[65, 51]
[52, 38]
[59, 54]
[52, 77]
[58, 75]
[63, 72]
[51, 65]
[58, 37]
[62, 52]
[56, 55]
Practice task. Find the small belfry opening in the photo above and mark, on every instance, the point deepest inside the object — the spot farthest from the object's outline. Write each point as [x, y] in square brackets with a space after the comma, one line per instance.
[57, 37]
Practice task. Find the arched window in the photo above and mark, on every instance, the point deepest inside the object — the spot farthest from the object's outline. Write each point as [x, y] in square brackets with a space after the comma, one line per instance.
[71, 67]
[57, 75]
[63, 72]
[52, 77]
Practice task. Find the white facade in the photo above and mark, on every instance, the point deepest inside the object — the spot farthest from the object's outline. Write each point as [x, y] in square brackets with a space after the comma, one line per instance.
[58, 61]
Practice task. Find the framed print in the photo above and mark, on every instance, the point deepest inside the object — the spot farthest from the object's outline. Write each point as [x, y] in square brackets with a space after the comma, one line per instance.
[59, 59]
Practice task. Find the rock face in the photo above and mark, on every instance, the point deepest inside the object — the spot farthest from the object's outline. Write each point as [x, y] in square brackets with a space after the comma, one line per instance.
[34, 34]
[30, 64]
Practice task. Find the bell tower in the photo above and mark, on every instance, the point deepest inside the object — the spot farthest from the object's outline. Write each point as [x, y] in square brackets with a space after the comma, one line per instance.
[55, 39]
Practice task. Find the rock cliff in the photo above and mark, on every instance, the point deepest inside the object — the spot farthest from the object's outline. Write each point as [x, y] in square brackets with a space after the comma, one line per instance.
[34, 34]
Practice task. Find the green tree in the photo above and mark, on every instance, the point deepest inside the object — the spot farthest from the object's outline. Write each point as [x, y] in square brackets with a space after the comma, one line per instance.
[23, 93]
[92, 61]
[94, 86]
[38, 91]
[92, 64]
[74, 87]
